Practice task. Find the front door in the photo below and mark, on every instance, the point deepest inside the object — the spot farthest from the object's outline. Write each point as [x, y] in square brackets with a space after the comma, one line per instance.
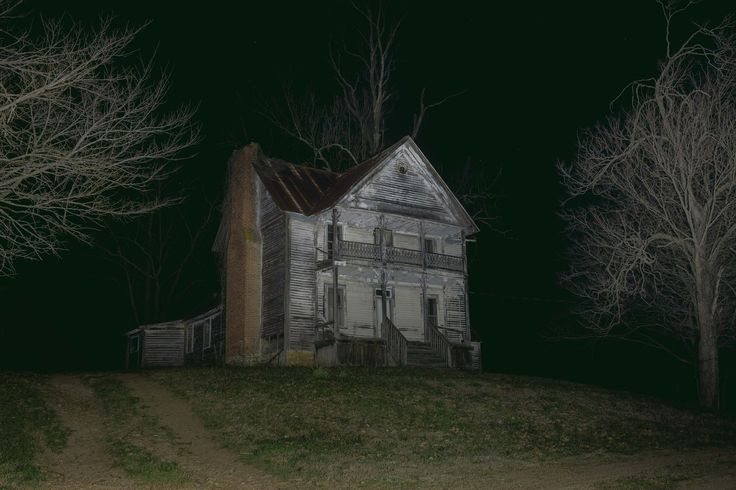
[378, 309]
[431, 315]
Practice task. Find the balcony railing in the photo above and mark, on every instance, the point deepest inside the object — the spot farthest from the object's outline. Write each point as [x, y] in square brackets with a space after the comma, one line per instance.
[403, 256]
[396, 255]
[359, 250]
[441, 261]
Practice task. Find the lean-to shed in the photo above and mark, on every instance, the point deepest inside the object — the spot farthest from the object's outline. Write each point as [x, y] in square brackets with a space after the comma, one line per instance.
[156, 345]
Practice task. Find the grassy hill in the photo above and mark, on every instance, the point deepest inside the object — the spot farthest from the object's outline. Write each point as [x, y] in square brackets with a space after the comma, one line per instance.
[347, 428]
[391, 427]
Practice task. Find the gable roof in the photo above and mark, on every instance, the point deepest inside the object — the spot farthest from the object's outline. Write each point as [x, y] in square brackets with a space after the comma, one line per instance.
[310, 191]
[294, 188]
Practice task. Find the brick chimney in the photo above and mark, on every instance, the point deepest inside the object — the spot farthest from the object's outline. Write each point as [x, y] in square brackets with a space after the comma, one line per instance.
[239, 244]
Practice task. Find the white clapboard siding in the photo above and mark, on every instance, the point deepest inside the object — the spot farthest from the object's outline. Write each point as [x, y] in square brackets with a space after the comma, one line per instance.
[403, 240]
[273, 231]
[359, 314]
[302, 277]
[405, 187]
[355, 234]
[452, 246]
[408, 312]
[163, 346]
[455, 301]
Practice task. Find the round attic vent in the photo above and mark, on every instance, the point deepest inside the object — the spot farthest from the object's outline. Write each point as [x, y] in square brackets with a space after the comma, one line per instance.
[402, 169]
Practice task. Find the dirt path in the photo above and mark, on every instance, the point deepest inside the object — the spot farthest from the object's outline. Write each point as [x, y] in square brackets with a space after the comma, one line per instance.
[718, 467]
[206, 462]
[85, 462]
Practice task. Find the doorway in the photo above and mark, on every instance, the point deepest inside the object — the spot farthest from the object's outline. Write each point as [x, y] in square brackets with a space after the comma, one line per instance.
[378, 309]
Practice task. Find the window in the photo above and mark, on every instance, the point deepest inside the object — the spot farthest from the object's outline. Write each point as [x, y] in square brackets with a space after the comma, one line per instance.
[207, 335]
[432, 310]
[340, 306]
[135, 343]
[388, 237]
[329, 238]
[189, 339]
[430, 245]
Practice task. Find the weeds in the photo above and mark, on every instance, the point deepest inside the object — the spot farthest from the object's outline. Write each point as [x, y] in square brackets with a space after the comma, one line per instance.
[26, 422]
[129, 429]
[311, 421]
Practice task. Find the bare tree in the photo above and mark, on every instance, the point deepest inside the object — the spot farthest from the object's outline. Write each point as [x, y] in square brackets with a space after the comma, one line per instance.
[83, 133]
[351, 126]
[653, 209]
[154, 269]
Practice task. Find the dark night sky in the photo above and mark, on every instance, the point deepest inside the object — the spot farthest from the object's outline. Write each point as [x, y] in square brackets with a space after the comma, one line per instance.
[534, 74]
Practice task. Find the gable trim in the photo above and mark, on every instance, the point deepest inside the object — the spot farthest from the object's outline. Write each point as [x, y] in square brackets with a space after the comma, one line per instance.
[413, 152]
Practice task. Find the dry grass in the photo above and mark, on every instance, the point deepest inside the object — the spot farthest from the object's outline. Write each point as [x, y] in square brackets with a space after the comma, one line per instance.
[387, 427]
[129, 431]
[27, 423]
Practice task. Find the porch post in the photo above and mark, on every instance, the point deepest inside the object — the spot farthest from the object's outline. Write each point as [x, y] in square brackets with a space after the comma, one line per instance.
[382, 245]
[424, 281]
[466, 336]
[335, 258]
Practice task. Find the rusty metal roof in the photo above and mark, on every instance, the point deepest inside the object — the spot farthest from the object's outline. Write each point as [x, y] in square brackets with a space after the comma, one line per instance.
[294, 188]
[307, 190]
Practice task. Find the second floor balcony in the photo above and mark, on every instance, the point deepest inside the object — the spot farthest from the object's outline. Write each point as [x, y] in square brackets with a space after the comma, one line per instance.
[395, 255]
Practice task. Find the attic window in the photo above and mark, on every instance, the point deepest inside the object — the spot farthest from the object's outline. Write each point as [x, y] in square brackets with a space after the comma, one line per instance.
[402, 169]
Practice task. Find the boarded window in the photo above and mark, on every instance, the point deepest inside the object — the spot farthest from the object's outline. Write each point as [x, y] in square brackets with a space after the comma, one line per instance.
[330, 237]
[430, 245]
[388, 237]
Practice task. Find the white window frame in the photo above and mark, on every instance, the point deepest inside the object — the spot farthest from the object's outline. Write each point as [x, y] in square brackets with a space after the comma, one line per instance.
[207, 334]
[388, 236]
[328, 242]
[436, 243]
[436, 299]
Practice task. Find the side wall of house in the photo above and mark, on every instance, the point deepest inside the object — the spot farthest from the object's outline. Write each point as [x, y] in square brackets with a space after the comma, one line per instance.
[274, 254]
[301, 289]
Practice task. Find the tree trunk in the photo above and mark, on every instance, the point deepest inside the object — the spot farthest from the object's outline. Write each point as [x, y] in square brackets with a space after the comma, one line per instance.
[708, 376]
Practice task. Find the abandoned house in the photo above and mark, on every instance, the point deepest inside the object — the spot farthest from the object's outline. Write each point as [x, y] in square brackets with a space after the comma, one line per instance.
[366, 267]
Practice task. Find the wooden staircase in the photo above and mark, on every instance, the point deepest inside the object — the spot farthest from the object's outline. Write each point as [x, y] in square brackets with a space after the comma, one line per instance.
[421, 354]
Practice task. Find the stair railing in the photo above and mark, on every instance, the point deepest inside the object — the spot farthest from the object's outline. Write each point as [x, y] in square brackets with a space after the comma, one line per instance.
[396, 343]
[439, 343]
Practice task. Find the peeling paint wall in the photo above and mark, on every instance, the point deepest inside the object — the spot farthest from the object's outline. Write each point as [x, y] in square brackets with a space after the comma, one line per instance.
[301, 283]
[273, 230]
